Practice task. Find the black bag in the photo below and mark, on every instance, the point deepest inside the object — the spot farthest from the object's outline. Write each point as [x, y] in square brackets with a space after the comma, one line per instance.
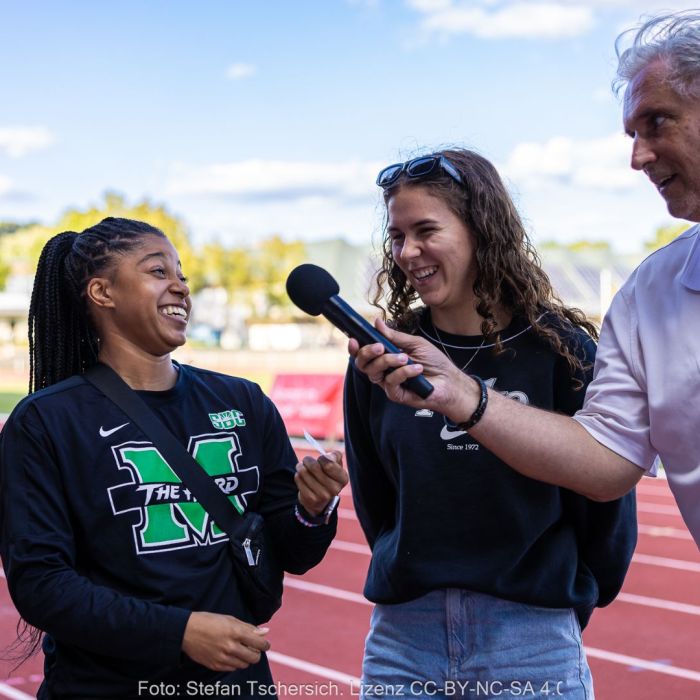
[258, 574]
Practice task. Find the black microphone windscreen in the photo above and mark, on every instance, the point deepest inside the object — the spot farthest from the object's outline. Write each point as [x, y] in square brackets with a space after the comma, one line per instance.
[310, 287]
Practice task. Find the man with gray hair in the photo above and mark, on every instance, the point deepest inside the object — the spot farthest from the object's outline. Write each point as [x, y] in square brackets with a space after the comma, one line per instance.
[643, 405]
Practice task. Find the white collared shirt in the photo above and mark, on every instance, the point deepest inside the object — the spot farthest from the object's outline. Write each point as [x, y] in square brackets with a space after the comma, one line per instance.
[644, 401]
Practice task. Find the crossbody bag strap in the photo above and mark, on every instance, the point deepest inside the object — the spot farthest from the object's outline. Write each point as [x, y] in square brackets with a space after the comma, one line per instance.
[178, 458]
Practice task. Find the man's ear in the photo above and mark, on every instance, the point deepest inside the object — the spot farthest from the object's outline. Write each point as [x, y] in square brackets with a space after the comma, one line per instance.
[98, 292]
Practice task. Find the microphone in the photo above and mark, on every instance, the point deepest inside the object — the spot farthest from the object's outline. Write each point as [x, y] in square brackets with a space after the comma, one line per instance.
[315, 292]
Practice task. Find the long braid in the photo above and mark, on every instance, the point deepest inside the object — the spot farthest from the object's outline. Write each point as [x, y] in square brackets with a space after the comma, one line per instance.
[62, 340]
[53, 326]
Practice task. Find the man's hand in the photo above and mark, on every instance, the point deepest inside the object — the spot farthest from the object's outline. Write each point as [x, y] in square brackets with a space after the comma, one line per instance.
[319, 481]
[223, 642]
[454, 394]
[540, 444]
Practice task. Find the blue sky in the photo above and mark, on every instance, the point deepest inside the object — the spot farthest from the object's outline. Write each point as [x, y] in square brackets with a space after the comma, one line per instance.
[253, 118]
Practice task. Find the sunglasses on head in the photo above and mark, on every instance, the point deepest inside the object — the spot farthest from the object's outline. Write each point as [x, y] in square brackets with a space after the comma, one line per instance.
[420, 167]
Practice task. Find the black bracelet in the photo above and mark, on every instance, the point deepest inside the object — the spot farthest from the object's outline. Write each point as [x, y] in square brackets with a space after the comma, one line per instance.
[480, 408]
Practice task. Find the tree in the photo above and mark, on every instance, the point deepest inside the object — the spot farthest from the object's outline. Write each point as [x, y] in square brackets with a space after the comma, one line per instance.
[21, 248]
[8, 232]
[273, 261]
[255, 277]
[155, 214]
[665, 234]
[576, 246]
[230, 268]
[12, 226]
[4, 273]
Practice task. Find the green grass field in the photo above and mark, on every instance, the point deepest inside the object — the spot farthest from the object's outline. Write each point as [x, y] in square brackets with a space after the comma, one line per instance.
[8, 400]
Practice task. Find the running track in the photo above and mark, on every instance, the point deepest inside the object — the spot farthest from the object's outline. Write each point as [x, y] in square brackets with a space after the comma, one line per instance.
[645, 646]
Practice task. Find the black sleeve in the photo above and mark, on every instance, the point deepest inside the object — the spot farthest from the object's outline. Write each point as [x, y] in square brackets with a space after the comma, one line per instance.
[373, 494]
[606, 532]
[38, 552]
[299, 548]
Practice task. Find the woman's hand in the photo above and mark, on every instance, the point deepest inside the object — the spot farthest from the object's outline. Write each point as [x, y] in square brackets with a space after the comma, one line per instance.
[319, 481]
[454, 394]
[223, 642]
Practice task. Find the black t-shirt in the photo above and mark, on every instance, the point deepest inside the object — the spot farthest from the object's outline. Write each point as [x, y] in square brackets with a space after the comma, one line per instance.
[104, 548]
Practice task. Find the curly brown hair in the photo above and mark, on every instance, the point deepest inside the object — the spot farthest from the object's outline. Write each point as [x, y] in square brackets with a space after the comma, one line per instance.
[508, 274]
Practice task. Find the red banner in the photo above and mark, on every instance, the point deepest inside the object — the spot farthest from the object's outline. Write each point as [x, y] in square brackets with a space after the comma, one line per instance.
[312, 402]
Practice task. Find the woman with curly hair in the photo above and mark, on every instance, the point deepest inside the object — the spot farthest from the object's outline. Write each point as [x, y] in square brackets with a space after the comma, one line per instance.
[479, 575]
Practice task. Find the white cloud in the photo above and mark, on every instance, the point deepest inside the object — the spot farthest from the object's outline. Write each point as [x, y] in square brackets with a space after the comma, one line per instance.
[17, 141]
[244, 222]
[238, 71]
[5, 185]
[495, 19]
[599, 164]
[277, 180]
[248, 200]
[369, 4]
[650, 6]
[429, 6]
[511, 19]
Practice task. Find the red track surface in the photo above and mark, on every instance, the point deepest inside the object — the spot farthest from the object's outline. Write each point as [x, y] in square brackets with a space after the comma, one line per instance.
[644, 646]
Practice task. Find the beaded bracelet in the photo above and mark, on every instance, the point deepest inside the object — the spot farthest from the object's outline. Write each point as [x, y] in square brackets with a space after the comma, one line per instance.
[308, 520]
[480, 408]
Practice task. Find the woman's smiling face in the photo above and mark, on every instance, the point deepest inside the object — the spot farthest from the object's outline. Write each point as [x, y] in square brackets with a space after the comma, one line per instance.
[433, 247]
[149, 298]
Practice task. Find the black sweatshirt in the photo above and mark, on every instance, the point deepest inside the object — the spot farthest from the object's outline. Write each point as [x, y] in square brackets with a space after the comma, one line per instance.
[105, 550]
[439, 510]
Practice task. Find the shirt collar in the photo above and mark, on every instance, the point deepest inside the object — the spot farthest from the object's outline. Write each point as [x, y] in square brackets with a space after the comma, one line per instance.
[690, 274]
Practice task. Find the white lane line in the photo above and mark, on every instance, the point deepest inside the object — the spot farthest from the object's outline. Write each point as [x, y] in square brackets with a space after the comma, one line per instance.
[686, 673]
[664, 496]
[658, 508]
[329, 591]
[650, 482]
[592, 652]
[352, 597]
[666, 562]
[623, 659]
[315, 669]
[658, 485]
[660, 603]
[352, 547]
[8, 691]
[682, 565]
[656, 531]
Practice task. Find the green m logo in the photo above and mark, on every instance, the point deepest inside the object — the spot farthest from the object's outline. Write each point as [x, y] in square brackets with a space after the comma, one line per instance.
[170, 517]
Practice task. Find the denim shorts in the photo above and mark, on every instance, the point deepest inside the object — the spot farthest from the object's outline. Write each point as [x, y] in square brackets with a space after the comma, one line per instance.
[458, 644]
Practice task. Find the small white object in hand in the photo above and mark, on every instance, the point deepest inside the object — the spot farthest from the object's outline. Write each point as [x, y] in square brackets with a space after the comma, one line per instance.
[316, 445]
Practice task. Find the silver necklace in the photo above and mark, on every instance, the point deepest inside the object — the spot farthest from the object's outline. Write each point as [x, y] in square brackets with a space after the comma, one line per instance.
[444, 349]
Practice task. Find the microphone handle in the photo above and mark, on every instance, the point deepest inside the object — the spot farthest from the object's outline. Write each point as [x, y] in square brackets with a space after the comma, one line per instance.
[346, 319]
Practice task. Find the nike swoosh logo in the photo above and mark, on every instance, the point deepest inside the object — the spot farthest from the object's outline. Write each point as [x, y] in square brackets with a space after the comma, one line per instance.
[107, 433]
[447, 434]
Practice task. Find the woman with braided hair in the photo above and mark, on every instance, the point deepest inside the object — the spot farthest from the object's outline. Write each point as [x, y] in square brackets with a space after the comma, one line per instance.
[104, 551]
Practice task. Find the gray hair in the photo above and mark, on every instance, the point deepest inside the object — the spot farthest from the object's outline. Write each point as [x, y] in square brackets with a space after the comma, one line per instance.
[673, 38]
